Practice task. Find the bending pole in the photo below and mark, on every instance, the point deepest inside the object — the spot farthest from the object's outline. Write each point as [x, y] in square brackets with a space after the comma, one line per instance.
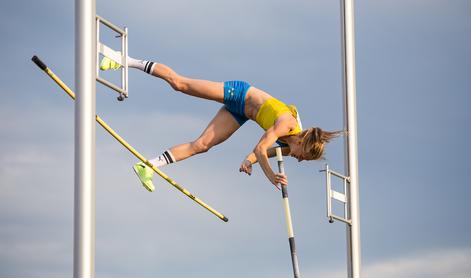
[284, 192]
[64, 87]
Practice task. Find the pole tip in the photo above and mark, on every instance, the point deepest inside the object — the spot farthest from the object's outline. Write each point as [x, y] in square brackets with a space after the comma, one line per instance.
[38, 62]
[225, 219]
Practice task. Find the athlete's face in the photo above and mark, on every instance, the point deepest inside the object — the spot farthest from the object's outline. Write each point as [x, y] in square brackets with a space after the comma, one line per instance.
[296, 151]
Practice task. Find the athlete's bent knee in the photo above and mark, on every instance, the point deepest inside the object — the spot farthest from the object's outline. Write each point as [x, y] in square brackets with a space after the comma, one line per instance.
[178, 83]
[199, 146]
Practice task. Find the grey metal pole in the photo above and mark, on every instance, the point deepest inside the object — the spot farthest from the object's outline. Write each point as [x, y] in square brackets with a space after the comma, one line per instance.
[84, 194]
[351, 150]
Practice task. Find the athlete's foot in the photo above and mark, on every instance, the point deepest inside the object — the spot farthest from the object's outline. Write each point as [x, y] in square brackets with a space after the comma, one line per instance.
[144, 173]
[108, 64]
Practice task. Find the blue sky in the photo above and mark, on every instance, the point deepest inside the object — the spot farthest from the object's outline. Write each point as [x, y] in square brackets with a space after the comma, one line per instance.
[413, 92]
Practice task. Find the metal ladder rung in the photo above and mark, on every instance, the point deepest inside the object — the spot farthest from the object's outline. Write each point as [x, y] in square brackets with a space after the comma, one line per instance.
[347, 221]
[338, 175]
[111, 26]
[111, 53]
[338, 196]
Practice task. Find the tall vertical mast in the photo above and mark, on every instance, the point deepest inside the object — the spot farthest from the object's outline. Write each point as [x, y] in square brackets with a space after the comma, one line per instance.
[351, 145]
[85, 86]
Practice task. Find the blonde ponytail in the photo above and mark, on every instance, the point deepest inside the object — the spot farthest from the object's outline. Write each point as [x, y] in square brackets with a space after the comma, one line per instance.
[314, 140]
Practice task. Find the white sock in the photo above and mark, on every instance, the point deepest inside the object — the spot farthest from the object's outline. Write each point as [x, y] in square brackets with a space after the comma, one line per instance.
[141, 64]
[164, 159]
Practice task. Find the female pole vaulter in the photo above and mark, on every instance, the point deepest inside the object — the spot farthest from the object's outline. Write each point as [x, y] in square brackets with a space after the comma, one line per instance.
[241, 102]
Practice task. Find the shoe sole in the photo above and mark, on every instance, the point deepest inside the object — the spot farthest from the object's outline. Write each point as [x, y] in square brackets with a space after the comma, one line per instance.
[145, 186]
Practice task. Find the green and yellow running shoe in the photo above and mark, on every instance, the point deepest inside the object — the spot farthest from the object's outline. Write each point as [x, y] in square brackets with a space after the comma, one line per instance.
[144, 173]
[108, 64]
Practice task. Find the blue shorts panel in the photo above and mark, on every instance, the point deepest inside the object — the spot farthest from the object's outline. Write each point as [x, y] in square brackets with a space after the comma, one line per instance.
[234, 99]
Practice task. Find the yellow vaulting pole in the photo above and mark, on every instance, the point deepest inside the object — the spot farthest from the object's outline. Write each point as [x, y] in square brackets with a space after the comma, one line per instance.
[66, 89]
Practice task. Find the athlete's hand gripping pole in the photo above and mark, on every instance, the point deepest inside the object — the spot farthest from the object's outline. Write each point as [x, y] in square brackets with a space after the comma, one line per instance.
[284, 192]
[64, 87]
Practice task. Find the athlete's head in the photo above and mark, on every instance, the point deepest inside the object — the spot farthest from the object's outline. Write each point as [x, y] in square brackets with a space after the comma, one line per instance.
[312, 143]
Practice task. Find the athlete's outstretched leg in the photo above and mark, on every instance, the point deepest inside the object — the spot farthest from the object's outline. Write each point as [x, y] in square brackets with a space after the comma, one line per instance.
[221, 127]
[193, 87]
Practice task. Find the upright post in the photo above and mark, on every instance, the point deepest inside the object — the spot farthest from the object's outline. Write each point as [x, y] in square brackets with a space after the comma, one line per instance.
[351, 150]
[84, 193]
[284, 191]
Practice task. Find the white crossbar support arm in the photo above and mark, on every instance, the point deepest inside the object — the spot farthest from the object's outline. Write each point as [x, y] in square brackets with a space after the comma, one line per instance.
[338, 196]
[85, 86]
[351, 149]
[119, 56]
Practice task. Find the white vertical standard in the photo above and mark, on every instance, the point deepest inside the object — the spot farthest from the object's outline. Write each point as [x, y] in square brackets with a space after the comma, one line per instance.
[85, 86]
[351, 150]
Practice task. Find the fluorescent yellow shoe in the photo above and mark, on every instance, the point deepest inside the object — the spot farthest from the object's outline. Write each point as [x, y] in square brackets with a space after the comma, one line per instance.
[145, 174]
[108, 64]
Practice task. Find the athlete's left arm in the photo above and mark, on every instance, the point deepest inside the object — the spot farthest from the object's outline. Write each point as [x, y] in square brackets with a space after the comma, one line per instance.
[251, 159]
[284, 124]
[271, 152]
